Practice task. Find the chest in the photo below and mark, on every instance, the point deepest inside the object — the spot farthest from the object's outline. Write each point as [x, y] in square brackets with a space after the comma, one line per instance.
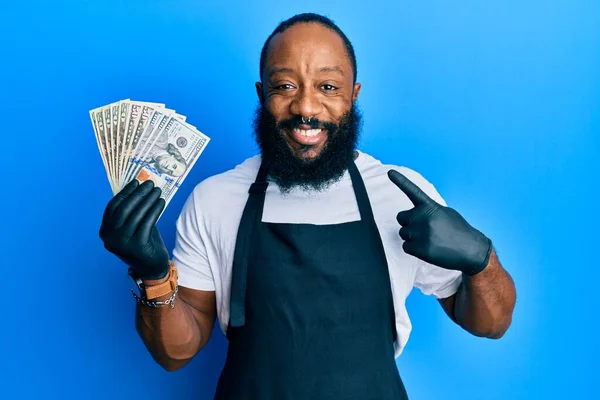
[306, 274]
[337, 206]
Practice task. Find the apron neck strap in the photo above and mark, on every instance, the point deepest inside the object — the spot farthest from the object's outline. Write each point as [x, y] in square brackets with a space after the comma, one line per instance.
[360, 191]
[260, 184]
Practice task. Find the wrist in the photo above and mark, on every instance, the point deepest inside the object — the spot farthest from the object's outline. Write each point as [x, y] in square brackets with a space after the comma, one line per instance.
[154, 277]
[488, 274]
[151, 289]
[154, 282]
[483, 265]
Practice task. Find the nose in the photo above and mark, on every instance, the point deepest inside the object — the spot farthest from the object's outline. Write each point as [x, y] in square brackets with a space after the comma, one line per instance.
[306, 103]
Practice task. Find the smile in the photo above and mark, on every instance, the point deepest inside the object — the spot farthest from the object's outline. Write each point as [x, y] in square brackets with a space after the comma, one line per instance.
[307, 132]
[307, 137]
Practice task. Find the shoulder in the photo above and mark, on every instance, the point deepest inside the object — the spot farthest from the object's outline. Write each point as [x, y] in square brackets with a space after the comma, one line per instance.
[375, 175]
[224, 191]
[228, 183]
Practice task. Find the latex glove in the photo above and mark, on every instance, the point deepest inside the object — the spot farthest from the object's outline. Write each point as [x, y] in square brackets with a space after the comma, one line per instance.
[129, 230]
[439, 235]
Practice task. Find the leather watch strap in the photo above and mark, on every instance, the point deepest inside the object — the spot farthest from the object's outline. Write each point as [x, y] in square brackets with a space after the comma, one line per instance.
[161, 289]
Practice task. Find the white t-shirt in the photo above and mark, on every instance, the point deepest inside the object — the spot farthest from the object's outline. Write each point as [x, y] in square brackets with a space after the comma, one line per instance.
[206, 230]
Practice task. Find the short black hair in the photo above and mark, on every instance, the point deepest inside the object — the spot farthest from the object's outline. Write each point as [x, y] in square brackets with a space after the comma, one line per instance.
[308, 18]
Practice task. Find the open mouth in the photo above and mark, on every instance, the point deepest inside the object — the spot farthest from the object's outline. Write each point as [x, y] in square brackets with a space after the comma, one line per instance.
[306, 137]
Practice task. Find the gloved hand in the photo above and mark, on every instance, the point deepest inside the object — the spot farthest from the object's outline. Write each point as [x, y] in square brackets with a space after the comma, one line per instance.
[129, 230]
[439, 235]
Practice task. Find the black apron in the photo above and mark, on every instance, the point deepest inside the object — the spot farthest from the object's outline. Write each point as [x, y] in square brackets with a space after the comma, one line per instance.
[312, 314]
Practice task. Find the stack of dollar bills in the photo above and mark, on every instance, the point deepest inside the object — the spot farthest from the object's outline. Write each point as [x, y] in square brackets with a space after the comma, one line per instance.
[142, 140]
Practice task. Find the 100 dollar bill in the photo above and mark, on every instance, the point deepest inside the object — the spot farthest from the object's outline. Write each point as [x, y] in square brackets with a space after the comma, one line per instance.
[173, 152]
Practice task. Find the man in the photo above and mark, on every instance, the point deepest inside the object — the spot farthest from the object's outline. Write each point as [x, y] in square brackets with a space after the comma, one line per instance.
[307, 251]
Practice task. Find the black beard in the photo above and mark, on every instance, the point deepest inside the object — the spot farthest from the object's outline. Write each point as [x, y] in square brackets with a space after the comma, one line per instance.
[317, 173]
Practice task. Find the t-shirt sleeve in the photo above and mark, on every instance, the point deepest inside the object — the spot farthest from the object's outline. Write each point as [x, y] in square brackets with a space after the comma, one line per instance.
[190, 252]
[431, 279]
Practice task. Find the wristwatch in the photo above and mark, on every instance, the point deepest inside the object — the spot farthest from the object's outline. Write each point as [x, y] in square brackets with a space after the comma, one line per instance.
[156, 291]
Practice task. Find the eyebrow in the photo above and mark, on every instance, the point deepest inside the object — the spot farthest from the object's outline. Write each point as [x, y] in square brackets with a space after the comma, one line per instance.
[276, 70]
[336, 68]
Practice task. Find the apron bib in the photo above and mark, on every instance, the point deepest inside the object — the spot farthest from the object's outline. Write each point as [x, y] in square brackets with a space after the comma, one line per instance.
[312, 314]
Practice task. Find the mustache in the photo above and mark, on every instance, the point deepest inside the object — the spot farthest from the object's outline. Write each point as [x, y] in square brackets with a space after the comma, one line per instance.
[314, 123]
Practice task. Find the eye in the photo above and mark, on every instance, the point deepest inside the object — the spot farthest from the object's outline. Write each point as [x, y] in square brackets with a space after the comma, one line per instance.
[285, 86]
[328, 88]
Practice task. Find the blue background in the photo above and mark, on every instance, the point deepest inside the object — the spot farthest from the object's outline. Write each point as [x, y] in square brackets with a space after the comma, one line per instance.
[495, 102]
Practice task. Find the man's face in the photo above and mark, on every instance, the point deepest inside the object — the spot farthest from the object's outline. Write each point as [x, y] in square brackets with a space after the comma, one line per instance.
[307, 74]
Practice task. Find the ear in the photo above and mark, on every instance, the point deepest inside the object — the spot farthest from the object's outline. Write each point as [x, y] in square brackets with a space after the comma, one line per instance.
[259, 92]
[355, 92]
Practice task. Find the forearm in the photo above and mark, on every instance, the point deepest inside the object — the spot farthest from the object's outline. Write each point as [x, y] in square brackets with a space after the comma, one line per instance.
[485, 302]
[171, 335]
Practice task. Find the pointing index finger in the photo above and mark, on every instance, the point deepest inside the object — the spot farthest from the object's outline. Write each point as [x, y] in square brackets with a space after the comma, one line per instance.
[414, 193]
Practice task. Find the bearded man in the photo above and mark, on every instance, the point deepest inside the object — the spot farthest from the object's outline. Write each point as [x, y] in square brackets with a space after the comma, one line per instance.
[307, 251]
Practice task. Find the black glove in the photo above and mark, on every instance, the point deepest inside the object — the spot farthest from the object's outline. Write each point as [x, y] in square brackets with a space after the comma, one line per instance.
[439, 235]
[129, 229]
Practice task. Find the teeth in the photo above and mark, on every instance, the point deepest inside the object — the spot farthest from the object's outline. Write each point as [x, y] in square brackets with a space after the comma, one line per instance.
[307, 132]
